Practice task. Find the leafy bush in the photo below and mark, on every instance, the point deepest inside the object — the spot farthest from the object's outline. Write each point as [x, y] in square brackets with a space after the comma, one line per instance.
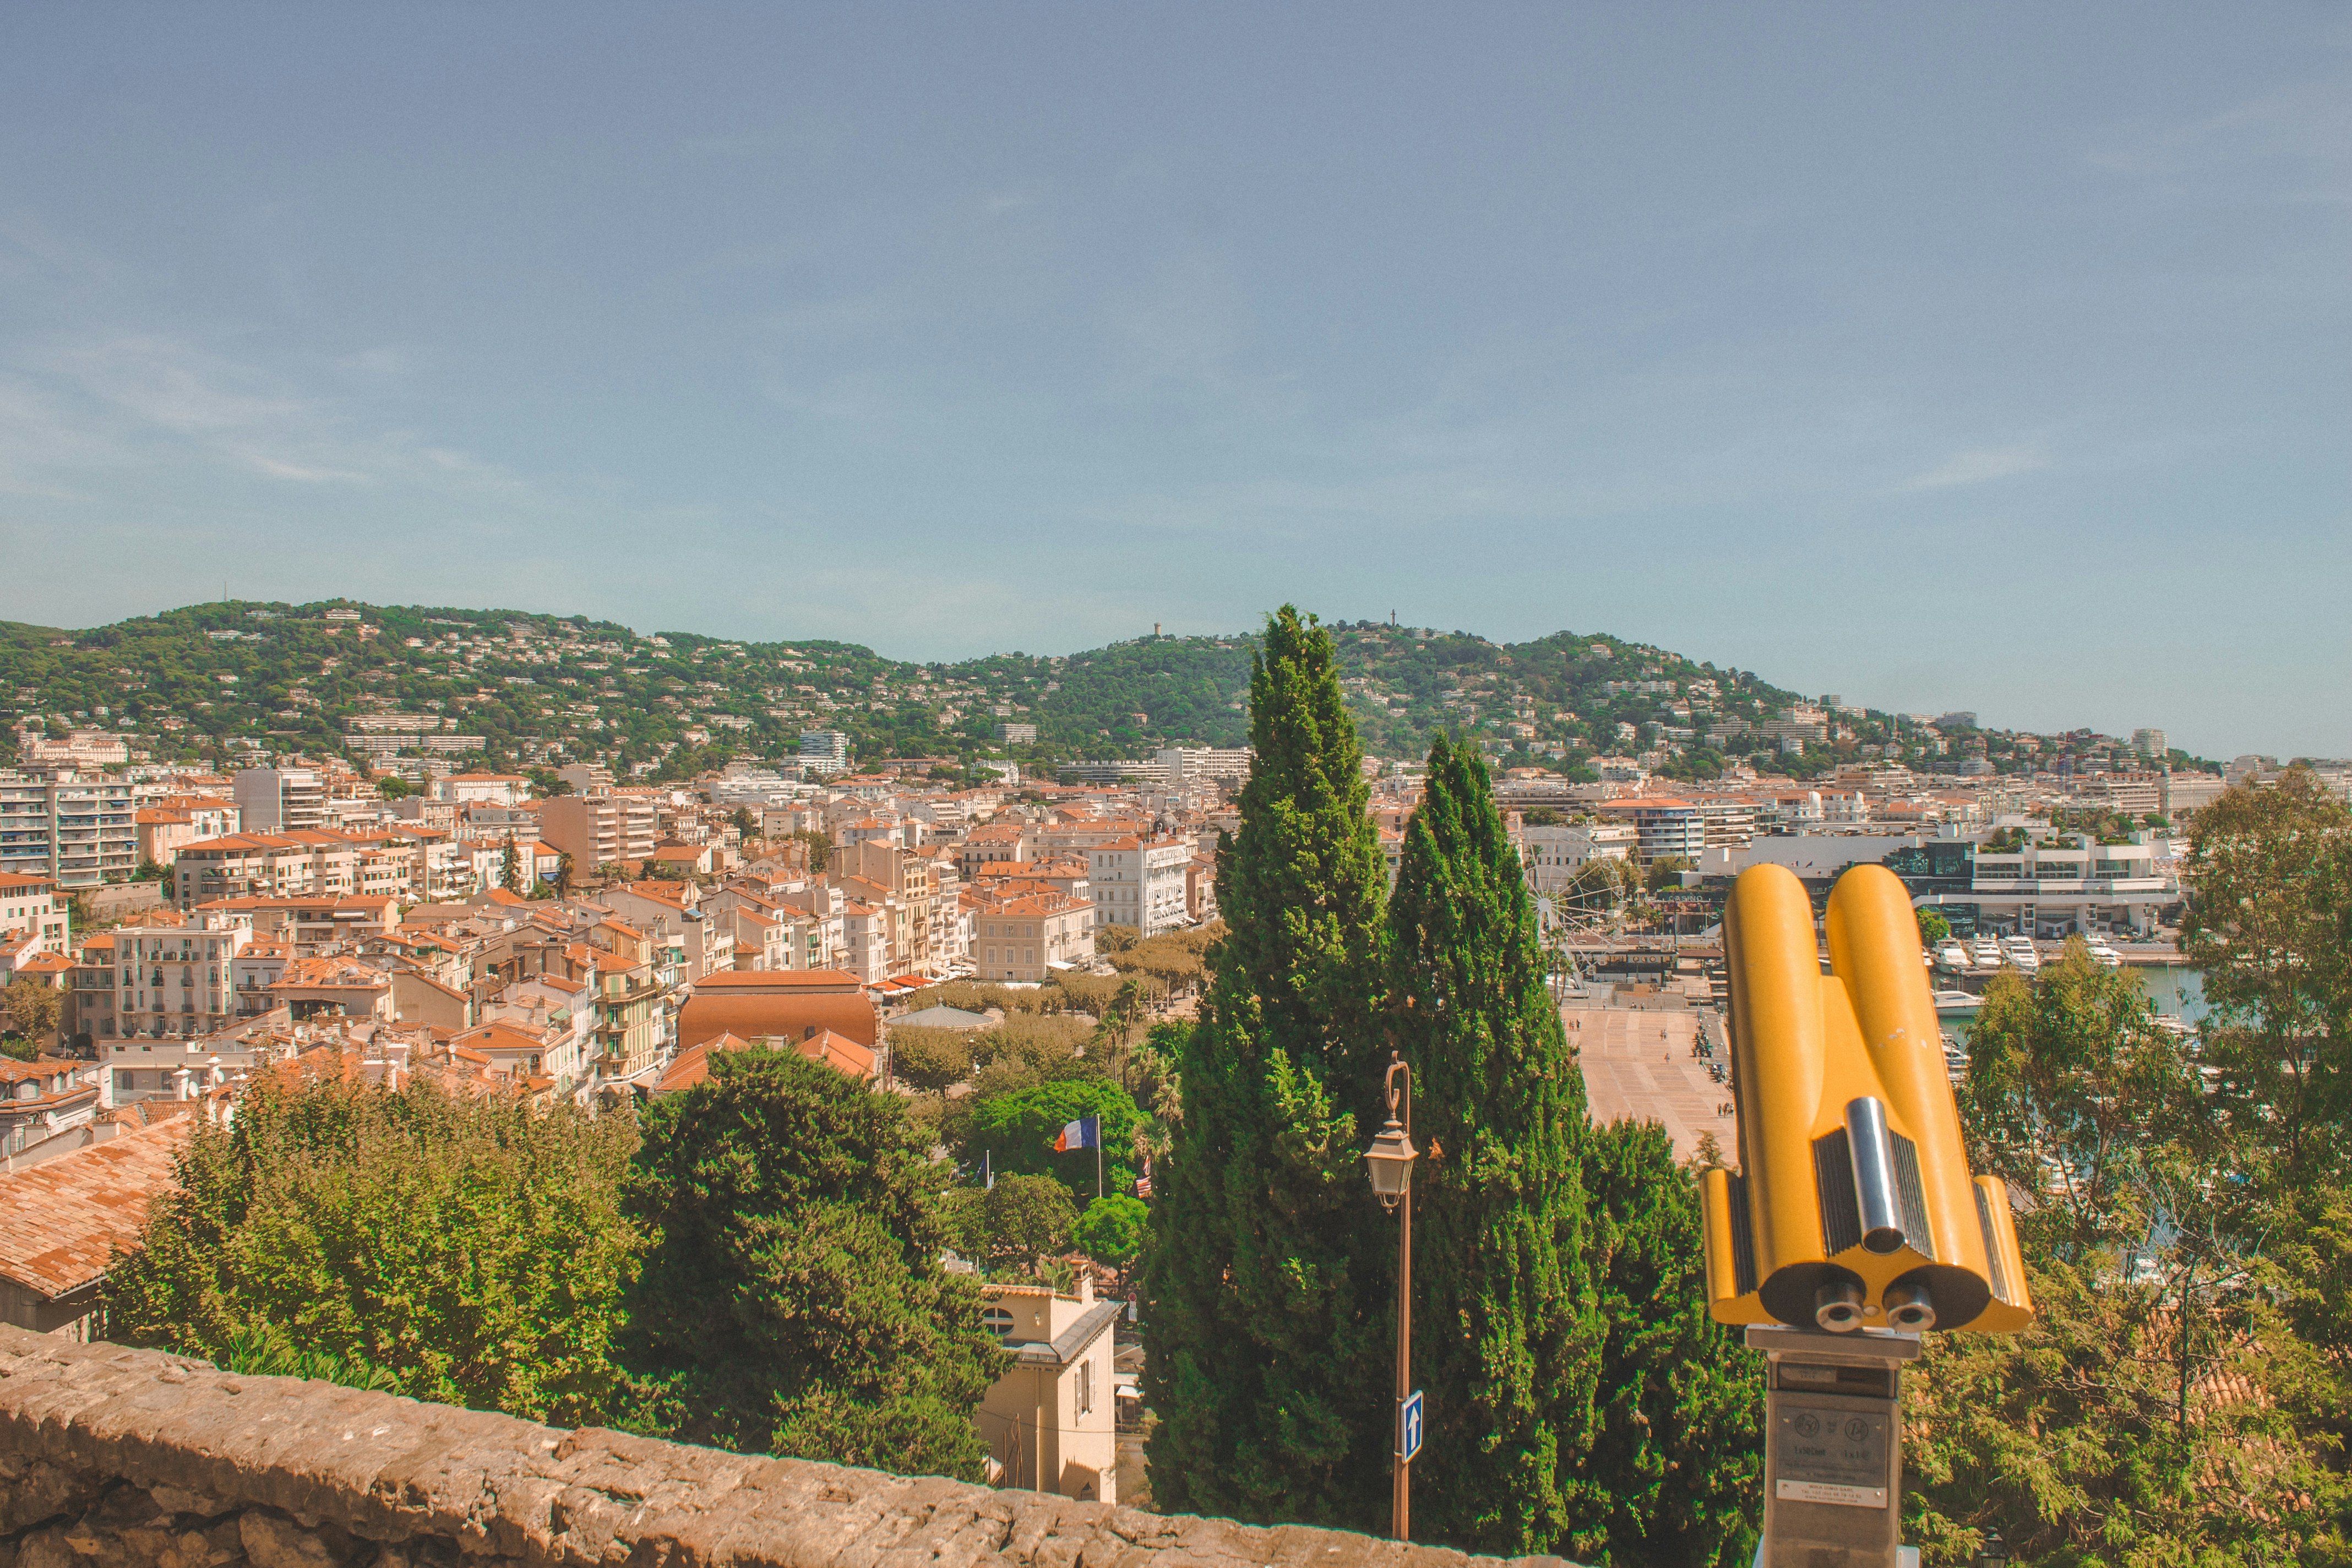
[471, 1249]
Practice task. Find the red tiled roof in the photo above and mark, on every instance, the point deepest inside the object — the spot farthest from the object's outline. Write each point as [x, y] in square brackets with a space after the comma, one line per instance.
[68, 1215]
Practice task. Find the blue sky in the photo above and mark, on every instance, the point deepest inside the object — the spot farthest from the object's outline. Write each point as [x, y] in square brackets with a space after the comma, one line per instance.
[1989, 356]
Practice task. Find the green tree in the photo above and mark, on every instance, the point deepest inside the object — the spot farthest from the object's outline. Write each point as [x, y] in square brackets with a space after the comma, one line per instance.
[33, 1008]
[392, 786]
[2162, 1409]
[1111, 1230]
[1016, 1223]
[510, 876]
[1269, 1268]
[1018, 1130]
[1505, 1331]
[1934, 928]
[2270, 927]
[818, 847]
[1664, 873]
[471, 1249]
[930, 1058]
[792, 1300]
[1674, 1478]
[564, 873]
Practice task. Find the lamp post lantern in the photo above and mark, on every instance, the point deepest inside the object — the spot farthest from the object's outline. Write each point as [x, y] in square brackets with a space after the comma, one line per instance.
[1389, 1161]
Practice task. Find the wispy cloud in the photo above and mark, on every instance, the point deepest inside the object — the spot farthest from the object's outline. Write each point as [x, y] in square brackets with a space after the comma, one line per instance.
[2293, 144]
[132, 399]
[1979, 466]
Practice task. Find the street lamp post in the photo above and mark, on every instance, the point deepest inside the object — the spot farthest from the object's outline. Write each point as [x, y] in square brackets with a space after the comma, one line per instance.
[1389, 1161]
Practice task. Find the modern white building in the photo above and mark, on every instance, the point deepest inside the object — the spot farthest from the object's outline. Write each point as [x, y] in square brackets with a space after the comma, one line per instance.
[824, 752]
[74, 830]
[2073, 884]
[273, 800]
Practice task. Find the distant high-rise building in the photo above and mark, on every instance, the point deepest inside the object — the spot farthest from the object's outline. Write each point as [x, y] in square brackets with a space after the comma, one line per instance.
[1961, 719]
[2149, 743]
[824, 751]
[76, 831]
[274, 799]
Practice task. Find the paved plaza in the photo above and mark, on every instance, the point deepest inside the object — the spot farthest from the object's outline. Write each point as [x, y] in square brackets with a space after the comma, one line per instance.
[1638, 1063]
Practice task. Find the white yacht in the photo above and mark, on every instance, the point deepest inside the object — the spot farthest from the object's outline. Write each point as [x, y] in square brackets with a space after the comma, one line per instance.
[2019, 951]
[2105, 956]
[1952, 955]
[1985, 952]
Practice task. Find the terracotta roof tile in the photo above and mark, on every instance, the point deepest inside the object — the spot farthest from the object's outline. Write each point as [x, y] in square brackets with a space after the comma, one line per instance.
[66, 1217]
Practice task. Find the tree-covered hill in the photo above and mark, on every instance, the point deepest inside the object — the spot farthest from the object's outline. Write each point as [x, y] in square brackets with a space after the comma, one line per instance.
[219, 681]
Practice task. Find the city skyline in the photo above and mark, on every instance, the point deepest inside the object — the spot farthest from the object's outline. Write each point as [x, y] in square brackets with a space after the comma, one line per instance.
[1987, 362]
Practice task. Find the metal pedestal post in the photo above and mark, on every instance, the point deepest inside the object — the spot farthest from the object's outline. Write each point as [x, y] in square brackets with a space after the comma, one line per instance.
[1832, 1445]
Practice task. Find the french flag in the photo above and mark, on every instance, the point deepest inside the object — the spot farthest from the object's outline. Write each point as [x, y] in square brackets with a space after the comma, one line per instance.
[1086, 1132]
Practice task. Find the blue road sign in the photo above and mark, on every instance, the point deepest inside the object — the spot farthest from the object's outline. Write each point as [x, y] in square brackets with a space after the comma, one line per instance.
[1409, 1427]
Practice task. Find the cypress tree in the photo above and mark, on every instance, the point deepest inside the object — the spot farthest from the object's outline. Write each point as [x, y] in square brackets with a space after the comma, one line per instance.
[1270, 1263]
[1676, 1477]
[1505, 1328]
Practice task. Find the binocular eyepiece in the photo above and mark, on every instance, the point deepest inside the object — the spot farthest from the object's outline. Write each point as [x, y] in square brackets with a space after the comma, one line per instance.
[1838, 1306]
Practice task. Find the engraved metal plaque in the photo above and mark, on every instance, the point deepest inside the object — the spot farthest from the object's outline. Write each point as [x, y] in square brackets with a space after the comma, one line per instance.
[1828, 1454]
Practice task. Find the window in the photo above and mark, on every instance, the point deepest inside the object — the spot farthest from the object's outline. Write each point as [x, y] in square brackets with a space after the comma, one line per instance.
[996, 1321]
[1085, 1389]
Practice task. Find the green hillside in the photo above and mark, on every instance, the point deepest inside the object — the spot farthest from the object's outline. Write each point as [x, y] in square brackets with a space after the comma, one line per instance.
[217, 680]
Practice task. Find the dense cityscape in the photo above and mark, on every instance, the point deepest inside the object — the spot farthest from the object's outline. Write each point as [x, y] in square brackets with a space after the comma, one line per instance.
[1059, 785]
[265, 865]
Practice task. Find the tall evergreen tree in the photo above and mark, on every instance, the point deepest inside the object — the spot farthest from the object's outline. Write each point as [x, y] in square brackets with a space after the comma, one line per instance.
[1270, 1264]
[1675, 1475]
[1504, 1328]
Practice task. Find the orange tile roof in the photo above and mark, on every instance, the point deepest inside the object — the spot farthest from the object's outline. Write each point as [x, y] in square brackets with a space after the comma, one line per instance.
[68, 1215]
[790, 1002]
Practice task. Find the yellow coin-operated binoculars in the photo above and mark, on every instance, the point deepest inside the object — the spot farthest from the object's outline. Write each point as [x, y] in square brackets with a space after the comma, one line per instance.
[1853, 1225]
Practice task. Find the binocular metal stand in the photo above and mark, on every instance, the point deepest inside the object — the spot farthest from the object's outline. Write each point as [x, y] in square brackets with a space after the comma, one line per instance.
[1832, 1445]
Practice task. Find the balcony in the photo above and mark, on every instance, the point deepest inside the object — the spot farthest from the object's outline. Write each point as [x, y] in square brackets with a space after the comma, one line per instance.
[2109, 885]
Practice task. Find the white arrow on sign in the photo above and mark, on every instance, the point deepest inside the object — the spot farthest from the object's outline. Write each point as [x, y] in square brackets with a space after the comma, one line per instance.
[1409, 1427]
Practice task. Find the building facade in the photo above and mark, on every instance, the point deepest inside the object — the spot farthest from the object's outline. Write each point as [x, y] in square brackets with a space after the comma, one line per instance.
[77, 831]
[1139, 882]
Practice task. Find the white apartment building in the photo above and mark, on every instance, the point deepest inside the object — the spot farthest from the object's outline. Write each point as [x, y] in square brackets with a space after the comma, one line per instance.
[1181, 763]
[276, 800]
[824, 752]
[176, 980]
[78, 832]
[1139, 883]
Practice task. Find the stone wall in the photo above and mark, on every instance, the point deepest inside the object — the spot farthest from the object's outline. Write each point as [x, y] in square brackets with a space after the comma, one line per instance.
[124, 1458]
